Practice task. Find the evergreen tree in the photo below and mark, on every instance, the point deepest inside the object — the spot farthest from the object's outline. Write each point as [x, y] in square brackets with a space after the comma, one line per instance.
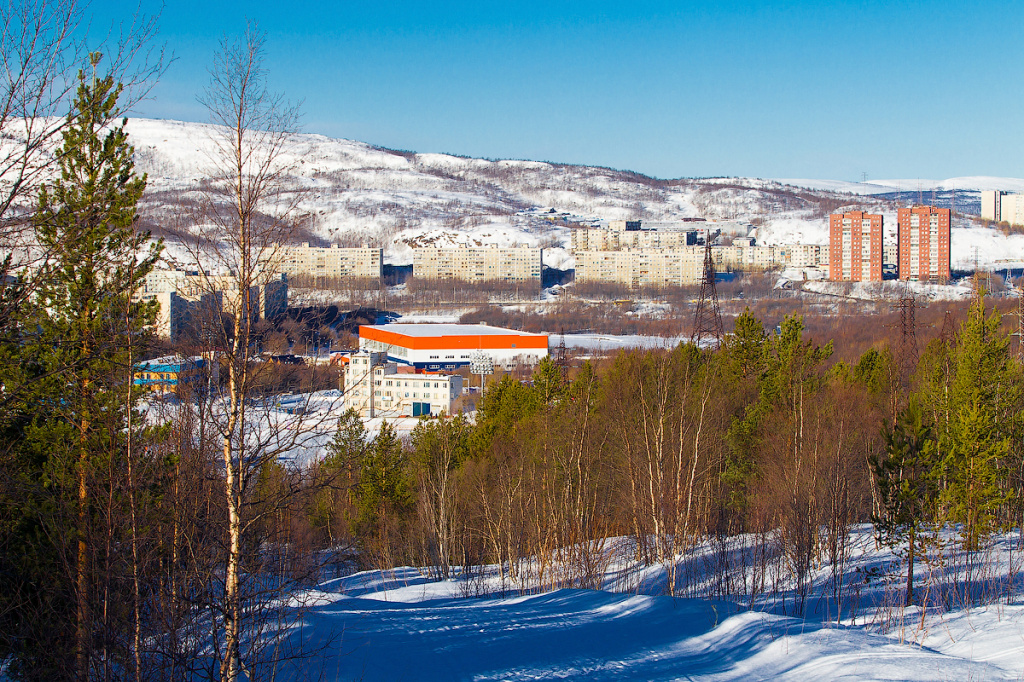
[384, 492]
[81, 322]
[976, 433]
[906, 477]
[337, 477]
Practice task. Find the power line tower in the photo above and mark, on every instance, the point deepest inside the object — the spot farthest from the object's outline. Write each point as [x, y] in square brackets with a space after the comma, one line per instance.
[906, 352]
[948, 329]
[976, 289]
[1019, 314]
[707, 318]
[562, 357]
[1020, 324]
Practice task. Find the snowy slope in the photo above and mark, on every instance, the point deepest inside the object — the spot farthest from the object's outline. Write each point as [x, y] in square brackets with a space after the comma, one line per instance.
[975, 184]
[592, 635]
[400, 624]
[351, 193]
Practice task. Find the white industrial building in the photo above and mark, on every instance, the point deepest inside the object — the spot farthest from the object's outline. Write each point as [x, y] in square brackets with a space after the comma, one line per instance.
[449, 346]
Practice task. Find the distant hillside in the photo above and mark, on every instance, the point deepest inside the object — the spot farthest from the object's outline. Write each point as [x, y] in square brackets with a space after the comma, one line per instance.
[352, 193]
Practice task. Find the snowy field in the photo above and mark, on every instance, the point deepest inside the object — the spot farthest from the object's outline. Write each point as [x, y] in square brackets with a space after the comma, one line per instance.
[402, 625]
[611, 343]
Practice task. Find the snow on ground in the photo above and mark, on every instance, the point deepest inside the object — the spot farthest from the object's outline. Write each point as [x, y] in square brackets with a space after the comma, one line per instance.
[401, 624]
[609, 343]
[559, 258]
[792, 231]
[890, 290]
[993, 249]
[356, 193]
[577, 634]
[503, 234]
[975, 183]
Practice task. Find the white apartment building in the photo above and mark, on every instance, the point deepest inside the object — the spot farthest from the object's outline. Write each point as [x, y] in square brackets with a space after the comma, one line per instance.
[744, 257]
[1002, 206]
[375, 388]
[1012, 209]
[801, 255]
[190, 297]
[991, 204]
[614, 240]
[633, 234]
[637, 268]
[478, 264]
[330, 262]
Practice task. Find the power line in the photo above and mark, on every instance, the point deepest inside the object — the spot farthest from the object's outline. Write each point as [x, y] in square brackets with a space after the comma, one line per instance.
[707, 318]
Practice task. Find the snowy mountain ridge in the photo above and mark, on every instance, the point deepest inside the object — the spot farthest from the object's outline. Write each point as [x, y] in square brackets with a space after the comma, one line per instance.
[354, 193]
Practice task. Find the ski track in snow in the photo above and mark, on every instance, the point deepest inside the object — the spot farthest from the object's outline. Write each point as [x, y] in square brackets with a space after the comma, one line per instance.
[586, 634]
[402, 625]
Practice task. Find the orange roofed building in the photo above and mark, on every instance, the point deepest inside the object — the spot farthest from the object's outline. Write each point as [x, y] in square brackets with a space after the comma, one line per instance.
[438, 347]
[855, 247]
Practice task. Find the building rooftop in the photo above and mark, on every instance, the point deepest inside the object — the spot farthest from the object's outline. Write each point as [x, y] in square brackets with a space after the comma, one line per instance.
[433, 330]
[169, 361]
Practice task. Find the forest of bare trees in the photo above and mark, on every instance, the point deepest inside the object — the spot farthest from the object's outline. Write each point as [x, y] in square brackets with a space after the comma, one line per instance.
[148, 537]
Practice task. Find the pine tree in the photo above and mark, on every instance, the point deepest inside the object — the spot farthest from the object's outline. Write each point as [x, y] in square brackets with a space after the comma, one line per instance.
[384, 492]
[337, 477]
[84, 316]
[906, 477]
[976, 433]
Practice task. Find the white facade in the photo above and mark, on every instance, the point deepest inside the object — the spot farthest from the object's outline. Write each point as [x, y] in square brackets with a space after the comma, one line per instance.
[478, 264]
[1002, 207]
[800, 255]
[991, 201]
[375, 388]
[642, 267]
[1012, 209]
[636, 256]
[617, 237]
[186, 297]
[330, 262]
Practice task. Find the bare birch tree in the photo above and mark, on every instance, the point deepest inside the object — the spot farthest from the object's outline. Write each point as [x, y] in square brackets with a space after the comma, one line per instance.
[247, 210]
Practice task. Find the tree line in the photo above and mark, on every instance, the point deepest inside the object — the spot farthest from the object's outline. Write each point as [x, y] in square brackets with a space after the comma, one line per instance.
[158, 539]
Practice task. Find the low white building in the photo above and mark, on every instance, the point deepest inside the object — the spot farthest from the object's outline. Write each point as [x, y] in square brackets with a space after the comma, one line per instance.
[436, 347]
[375, 387]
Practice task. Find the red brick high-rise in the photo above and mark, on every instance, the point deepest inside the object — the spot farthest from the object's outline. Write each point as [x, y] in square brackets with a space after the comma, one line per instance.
[924, 243]
[855, 247]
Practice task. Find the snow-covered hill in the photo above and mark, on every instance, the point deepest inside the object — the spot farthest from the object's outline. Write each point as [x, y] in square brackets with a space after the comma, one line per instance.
[401, 624]
[353, 193]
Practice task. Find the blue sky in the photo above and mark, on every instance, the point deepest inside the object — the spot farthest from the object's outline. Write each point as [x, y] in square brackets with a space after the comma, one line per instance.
[671, 89]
